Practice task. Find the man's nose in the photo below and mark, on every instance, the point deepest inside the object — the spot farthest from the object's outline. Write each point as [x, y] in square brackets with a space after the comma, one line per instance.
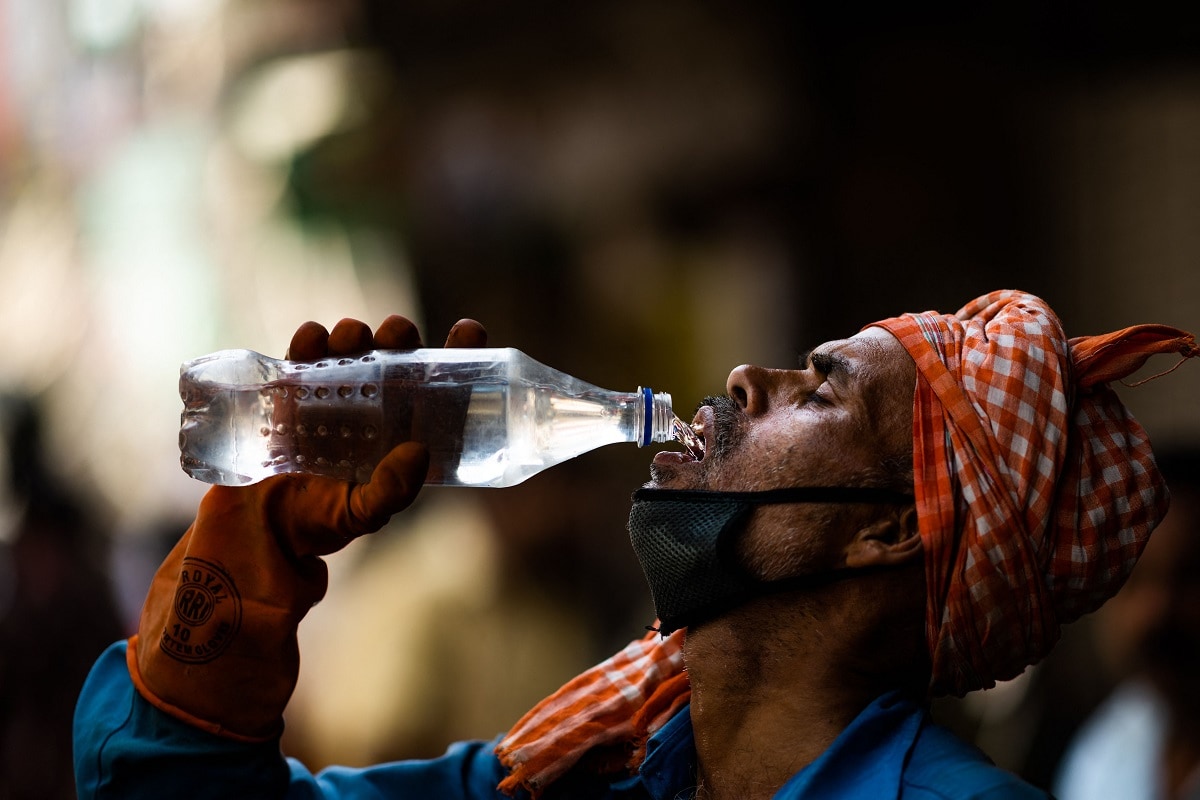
[749, 386]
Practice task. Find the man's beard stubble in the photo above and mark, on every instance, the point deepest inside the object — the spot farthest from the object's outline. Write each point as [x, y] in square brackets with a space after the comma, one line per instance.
[727, 423]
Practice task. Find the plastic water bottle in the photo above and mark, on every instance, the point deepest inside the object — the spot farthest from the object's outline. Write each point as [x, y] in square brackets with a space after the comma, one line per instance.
[489, 416]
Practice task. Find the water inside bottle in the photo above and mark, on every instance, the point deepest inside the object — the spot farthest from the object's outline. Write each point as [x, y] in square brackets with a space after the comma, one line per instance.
[516, 430]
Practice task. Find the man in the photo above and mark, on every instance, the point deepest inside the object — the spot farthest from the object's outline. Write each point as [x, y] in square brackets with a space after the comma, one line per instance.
[846, 545]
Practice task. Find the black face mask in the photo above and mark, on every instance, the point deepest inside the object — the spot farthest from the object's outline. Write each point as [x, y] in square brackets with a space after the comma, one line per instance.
[685, 543]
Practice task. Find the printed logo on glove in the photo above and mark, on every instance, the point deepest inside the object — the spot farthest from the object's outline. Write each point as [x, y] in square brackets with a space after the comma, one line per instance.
[206, 616]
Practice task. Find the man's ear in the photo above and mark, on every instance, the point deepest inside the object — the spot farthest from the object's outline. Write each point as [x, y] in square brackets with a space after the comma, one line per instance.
[889, 540]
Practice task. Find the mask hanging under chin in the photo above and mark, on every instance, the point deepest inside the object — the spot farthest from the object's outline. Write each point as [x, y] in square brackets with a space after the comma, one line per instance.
[685, 543]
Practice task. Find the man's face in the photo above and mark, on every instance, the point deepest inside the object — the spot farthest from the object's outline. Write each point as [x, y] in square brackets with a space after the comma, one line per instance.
[832, 422]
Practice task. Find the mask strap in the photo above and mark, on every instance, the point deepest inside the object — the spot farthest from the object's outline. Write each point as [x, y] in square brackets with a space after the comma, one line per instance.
[815, 580]
[744, 502]
[795, 494]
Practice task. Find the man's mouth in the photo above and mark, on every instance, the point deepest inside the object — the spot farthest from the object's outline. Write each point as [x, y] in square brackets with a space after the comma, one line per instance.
[693, 438]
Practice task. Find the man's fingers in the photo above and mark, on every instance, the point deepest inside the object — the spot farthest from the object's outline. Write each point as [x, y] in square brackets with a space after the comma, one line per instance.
[467, 333]
[393, 486]
[350, 337]
[397, 333]
[309, 342]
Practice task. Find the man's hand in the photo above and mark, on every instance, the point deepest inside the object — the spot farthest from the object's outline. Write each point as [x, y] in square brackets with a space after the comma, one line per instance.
[216, 644]
[398, 477]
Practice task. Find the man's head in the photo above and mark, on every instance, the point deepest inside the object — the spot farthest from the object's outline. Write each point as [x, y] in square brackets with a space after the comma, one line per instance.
[1034, 488]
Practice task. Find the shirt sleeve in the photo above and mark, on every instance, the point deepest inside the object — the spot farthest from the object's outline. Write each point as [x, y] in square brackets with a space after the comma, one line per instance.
[127, 748]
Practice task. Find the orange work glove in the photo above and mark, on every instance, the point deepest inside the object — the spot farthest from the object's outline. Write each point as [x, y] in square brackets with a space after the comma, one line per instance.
[216, 643]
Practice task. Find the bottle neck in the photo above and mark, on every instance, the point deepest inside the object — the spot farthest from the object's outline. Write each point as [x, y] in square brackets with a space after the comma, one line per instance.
[656, 417]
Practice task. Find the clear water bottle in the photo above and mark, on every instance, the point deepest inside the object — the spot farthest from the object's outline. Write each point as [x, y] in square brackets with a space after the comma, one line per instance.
[489, 416]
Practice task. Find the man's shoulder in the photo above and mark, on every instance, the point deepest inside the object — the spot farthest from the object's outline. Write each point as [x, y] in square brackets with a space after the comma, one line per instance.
[942, 766]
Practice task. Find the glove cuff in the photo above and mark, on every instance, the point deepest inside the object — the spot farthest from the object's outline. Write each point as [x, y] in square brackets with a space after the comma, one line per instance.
[215, 728]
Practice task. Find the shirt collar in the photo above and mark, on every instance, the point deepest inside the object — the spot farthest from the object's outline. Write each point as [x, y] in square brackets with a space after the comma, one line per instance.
[669, 767]
[865, 762]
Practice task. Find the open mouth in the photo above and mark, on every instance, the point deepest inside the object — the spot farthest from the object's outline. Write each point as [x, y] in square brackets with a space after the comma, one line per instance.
[691, 437]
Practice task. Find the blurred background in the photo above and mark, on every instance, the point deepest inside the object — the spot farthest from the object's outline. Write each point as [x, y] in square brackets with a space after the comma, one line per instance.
[633, 192]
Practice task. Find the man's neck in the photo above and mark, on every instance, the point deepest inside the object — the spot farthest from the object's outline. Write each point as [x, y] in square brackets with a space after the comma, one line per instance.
[768, 699]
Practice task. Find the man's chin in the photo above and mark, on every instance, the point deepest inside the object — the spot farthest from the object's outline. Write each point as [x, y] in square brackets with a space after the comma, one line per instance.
[668, 473]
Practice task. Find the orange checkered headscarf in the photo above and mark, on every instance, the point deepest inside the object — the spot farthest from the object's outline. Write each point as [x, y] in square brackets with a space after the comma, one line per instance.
[1035, 488]
[1035, 492]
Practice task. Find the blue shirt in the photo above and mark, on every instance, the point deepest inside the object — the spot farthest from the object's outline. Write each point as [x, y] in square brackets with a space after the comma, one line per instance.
[125, 748]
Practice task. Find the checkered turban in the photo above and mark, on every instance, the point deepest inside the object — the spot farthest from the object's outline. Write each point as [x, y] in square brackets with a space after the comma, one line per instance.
[1035, 488]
